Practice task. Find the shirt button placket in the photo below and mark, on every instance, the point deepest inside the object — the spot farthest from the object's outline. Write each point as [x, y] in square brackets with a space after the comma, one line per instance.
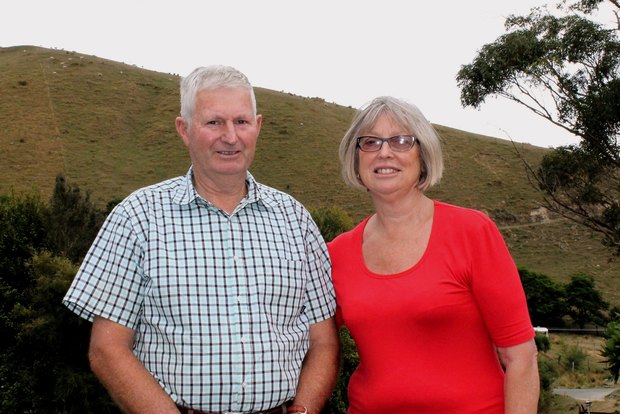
[234, 320]
[239, 335]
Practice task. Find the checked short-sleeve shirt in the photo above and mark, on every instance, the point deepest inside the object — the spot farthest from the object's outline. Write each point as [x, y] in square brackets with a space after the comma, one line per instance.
[220, 304]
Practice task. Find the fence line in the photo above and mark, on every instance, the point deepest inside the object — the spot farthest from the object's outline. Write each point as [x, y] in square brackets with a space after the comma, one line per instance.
[598, 331]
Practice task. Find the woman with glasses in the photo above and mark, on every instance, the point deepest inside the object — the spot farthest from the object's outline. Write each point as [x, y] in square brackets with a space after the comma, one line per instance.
[428, 290]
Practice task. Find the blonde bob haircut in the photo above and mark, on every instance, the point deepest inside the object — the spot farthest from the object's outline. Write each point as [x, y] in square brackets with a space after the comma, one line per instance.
[410, 118]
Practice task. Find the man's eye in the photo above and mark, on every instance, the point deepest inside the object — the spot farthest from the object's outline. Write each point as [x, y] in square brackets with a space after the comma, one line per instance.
[241, 121]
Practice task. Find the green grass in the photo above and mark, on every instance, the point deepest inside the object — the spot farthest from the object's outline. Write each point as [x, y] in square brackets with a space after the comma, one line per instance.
[109, 128]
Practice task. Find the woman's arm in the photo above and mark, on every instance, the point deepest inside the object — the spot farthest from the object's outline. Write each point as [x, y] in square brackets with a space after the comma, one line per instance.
[521, 384]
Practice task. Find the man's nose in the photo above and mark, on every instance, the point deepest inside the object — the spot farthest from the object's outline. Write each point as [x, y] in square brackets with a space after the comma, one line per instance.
[230, 133]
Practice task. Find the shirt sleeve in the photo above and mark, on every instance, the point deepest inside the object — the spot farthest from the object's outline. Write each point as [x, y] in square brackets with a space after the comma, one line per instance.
[497, 288]
[321, 302]
[110, 281]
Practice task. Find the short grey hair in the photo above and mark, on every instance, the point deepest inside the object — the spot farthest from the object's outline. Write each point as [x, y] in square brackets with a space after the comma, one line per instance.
[211, 77]
[407, 116]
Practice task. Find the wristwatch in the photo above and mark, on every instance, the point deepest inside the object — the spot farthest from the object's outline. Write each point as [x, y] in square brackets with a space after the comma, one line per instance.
[297, 409]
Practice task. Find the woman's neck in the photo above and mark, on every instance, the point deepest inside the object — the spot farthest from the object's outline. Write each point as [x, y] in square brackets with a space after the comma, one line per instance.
[400, 216]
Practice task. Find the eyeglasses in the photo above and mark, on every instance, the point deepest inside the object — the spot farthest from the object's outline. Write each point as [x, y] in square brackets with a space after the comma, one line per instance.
[400, 143]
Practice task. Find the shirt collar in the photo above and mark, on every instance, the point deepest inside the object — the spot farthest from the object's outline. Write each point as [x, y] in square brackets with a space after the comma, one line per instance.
[186, 193]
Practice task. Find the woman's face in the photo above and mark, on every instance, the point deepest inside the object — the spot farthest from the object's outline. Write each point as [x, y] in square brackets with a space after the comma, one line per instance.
[387, 171]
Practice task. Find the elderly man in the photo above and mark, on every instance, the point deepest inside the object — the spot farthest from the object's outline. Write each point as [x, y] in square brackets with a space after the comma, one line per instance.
[211, 292]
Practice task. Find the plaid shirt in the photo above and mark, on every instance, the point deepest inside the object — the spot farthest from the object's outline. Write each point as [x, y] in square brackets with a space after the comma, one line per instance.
[220, 304]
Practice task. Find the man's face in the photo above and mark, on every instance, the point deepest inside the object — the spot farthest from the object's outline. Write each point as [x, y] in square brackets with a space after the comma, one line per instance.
[223, 133]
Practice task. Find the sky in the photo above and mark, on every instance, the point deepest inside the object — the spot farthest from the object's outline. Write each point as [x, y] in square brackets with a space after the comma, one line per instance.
[344, 51]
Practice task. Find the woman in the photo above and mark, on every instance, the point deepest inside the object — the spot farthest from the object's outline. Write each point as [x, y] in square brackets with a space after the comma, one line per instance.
[428, 290]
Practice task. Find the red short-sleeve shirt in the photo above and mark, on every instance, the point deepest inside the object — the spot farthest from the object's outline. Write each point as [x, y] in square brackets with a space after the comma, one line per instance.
[427, 336]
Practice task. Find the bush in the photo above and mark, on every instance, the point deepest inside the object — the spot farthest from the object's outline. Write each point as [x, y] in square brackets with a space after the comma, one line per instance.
[548, 374]
[339, 400]
[331, 221]
[72, 221]
[611, 348]
[47, 366]
[542, 342]
[572, 358]
[43, 346]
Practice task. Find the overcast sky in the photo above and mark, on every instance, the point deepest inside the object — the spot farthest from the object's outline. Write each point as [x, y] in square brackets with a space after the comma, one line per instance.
[344, 51]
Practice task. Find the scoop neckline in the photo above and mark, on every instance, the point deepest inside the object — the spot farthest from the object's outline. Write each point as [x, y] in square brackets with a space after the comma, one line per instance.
[429, 245]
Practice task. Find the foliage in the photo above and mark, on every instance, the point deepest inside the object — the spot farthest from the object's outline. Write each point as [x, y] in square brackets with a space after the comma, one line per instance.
[549, 302]
[584, 302]
[331, 221]
[21, 234]
[72, 221]
[583, 187]
[573, 358]
[545, 298]
[547, 374]
[43, 365]
[47, 367]
[611, 348]
[339, 400]
[542, 342]
[565, 69]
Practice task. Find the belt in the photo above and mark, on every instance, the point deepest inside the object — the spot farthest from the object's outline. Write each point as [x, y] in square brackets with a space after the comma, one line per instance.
[280, 409]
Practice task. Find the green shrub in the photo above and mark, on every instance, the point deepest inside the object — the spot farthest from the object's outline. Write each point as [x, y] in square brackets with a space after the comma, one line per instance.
[339, 400]
[573, 358]
[611, 348]
[331, 221]
[542, 342]
[548, 374]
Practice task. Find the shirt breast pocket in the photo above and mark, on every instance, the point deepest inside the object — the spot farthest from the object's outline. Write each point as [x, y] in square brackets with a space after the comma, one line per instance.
[282, 289]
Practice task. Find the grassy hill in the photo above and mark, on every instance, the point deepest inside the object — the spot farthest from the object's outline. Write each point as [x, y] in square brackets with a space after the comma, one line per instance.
[109, 128]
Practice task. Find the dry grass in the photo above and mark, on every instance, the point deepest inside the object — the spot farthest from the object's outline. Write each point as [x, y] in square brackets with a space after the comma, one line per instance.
[109, 128]
[590, 372]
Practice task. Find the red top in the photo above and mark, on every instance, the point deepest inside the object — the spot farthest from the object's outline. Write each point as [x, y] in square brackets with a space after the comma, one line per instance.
[426, 337]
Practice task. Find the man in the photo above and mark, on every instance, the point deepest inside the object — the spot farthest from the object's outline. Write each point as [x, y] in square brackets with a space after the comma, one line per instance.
[211, 292]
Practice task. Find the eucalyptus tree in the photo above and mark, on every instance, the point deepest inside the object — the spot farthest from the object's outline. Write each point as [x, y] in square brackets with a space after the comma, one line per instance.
[563, 65]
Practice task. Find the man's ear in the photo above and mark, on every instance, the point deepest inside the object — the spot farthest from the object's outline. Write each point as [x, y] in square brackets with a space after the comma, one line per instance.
[182, 129]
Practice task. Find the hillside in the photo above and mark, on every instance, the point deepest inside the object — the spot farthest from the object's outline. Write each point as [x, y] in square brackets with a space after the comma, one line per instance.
[109, 128]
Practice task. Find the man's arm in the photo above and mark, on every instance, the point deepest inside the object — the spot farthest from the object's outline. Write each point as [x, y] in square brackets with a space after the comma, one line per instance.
[131, 386]
[319, 371]
[521, 384]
